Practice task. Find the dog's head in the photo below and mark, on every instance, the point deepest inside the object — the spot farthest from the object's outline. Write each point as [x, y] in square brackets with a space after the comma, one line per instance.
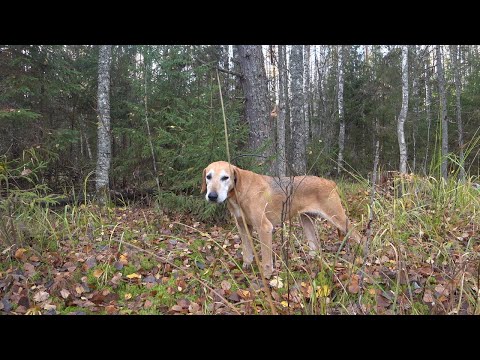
[218, 179]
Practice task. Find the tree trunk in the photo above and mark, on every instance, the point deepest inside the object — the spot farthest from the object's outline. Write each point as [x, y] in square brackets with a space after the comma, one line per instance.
[428, 102]
[257, 108]
[416, 100]
[306, 90]
[299, 136]
[104, 135]
[341, 115]
[282, 84]
[443, 113]
[455, 52]
[403, 112]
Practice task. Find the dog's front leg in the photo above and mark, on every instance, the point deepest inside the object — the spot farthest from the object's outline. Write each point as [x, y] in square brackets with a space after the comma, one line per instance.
[247, 251]
[265, 231]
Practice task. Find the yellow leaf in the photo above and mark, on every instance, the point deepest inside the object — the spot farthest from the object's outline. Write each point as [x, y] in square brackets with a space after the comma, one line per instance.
[19, 253]
[123, 259]
[128, 296]
[323, 291]
[284, 303]
[134, 276]
[97, 273]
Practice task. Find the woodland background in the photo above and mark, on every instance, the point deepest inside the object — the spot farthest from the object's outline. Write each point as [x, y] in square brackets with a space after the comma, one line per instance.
[134, 125]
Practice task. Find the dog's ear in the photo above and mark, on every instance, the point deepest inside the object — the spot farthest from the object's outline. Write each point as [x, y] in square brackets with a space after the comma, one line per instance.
[204, 182]
[236, 177]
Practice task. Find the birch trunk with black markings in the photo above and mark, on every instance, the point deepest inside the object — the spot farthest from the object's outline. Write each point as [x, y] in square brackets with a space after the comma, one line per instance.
[443, 113]
[297, 119]
[403, 112]
[104, 147]
[455, 55]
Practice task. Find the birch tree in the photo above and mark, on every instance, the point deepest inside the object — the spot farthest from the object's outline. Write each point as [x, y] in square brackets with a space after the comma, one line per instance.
[282, 85]
[443, 112]
[299, 136]
[454, 53]
[104, 152]
[257, 108]
[306, 89]
[428, 102]
[403, 112]
[341, 114]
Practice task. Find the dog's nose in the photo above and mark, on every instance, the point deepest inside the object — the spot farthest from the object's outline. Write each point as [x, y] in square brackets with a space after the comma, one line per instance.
[213, 196]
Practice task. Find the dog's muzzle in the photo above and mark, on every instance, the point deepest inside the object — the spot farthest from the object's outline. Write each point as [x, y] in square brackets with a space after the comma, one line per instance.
[213, 196]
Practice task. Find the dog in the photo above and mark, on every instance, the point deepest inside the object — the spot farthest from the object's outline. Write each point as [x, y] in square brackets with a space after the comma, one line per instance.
[258, 201]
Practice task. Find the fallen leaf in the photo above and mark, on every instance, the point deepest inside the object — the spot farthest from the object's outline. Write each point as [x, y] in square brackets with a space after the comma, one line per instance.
[116, 278]
[149, 279]
[284, 303]
[134, 276]
[177, 308]
[97, 273]
[244, 294]
[49, 307]
[110, 309]
[225, 285]
[118, 265]
[20, 253]
[23, 301]
[127, 296]
[29, 269]
[34, 258]
[353, 287]
[382, 301]
[428, 297]
[193, 308]
[148, 304]
[90, 263]
[26, 172]
[123, 259]
[65, 293]
[41, 296]
[234, 297]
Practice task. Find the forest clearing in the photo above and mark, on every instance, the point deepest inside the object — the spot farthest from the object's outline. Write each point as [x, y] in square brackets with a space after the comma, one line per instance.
[102, 150]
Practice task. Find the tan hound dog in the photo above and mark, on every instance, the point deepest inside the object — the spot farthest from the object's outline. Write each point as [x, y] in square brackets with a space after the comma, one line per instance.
[260, 199]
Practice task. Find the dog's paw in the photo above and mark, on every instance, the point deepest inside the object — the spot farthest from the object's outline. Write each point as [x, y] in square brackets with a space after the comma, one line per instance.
[246, 265]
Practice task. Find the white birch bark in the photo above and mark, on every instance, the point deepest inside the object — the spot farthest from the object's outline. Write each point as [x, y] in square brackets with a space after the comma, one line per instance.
[104, 147]
[454, 53]
[282, 83]
[306, 89]
[443, 113]
[299, 136]
[428, 102]
[403, 112]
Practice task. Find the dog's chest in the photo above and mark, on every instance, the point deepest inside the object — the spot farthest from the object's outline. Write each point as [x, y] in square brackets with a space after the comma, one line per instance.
[235, 209]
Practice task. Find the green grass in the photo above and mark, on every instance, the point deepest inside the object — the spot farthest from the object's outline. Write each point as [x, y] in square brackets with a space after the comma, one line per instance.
[420, 224]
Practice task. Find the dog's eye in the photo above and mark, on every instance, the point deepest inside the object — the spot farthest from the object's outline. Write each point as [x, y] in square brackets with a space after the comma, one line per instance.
[224, 178]
[209, 176]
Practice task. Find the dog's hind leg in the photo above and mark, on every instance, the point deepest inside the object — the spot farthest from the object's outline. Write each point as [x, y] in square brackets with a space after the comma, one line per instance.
[309, 232]
[265, 233]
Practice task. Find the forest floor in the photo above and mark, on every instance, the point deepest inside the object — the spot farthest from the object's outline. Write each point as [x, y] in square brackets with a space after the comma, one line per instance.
[141, 260]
